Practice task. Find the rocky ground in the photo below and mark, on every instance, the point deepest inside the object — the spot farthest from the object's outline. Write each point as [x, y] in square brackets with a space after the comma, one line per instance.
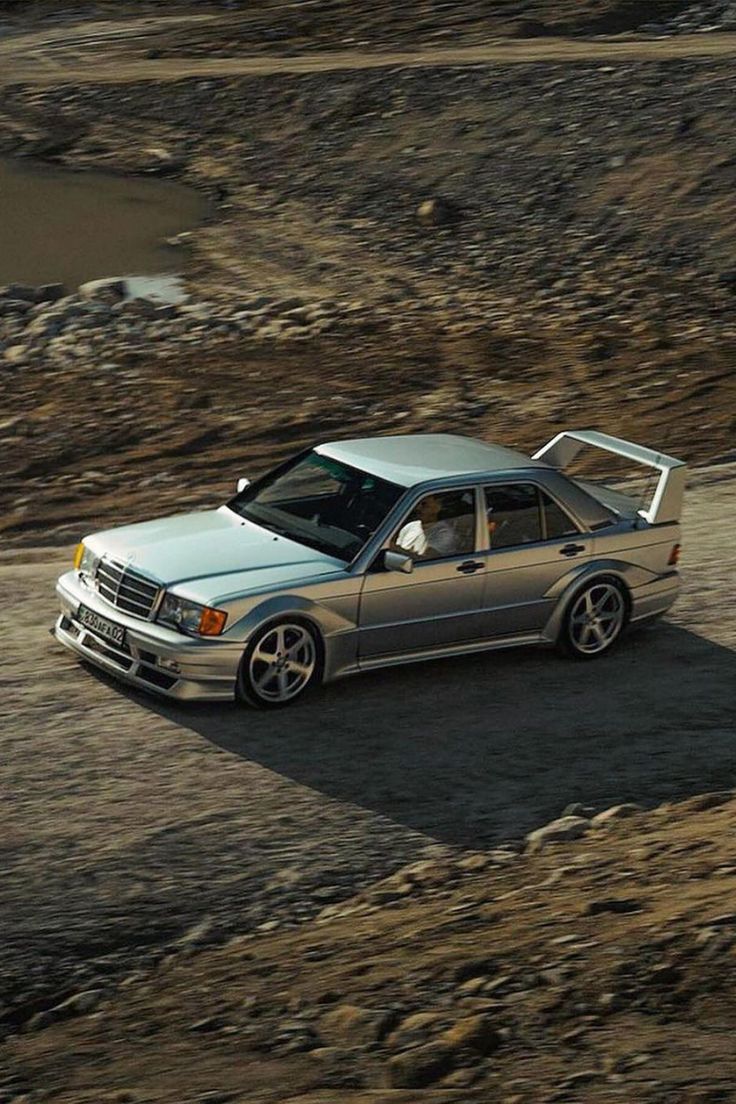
[201, 905]
[596, 970]
[501, 251]
[329, 25]
[271, 25]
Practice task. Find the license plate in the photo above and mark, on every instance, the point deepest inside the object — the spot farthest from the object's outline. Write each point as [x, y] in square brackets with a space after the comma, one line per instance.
[100, 625]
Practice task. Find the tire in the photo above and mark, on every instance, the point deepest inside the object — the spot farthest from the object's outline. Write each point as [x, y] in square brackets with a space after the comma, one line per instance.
[283, 660]
[594, 619]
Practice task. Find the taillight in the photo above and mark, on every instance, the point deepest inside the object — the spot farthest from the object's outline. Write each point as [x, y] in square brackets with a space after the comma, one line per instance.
[674, 556]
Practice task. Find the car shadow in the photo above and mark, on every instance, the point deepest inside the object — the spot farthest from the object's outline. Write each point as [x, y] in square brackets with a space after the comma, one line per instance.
[483, 748]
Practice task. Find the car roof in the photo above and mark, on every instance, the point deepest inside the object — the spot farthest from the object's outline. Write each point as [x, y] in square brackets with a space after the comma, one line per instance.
[412, 458]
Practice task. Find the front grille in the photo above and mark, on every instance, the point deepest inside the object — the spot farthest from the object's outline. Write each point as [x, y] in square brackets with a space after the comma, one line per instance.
[124, 588]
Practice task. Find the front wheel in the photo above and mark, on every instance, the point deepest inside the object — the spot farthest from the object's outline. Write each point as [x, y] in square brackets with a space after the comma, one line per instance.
[282, 661]
[594, 620]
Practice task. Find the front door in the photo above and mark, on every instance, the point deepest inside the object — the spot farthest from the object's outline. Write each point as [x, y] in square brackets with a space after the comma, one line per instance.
[532, 542]
[439, 603]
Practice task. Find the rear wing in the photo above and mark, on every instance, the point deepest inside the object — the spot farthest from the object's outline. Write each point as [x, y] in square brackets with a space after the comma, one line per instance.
[666, 503]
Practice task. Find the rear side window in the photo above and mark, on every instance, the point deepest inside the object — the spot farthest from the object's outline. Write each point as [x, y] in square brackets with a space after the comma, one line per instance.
[512, 515]
[522, 513]
[557, 523]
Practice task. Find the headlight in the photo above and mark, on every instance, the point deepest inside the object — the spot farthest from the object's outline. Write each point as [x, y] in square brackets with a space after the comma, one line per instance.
[190, 617]
[85, 560]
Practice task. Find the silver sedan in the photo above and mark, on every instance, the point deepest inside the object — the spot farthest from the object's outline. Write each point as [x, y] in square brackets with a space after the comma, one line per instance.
[371, 552]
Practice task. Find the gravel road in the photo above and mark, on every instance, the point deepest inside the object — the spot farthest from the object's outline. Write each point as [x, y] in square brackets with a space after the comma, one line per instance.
[130, 823]
[112, 52]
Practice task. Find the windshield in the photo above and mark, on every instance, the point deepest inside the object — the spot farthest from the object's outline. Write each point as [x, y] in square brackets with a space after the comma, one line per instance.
[319, 502]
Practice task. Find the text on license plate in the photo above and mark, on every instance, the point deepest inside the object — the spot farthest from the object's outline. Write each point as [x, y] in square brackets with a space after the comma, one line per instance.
[100, 625]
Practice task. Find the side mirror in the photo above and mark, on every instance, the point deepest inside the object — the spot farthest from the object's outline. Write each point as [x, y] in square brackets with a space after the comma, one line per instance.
[242, 484]
[398, 561]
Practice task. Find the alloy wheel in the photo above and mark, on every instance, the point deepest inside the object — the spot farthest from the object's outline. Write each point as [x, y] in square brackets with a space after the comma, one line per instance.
[281, 663]
[596, 618]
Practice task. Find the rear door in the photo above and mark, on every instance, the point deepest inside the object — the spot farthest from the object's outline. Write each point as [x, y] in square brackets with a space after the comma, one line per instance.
[440, 602]
[531, 542]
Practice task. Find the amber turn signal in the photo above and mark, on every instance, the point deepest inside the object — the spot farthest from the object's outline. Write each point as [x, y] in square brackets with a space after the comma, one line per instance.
[674, 556]
[212, 622]
[78, 553]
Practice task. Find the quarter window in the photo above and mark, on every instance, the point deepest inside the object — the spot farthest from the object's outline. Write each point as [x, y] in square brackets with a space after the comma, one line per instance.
[440, 525]
[512, 515]
[557, 523]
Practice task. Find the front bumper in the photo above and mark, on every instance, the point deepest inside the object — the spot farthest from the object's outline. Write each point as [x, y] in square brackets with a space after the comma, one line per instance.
[153, 657]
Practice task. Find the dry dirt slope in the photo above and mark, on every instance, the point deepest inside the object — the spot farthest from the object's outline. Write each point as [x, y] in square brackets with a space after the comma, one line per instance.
[132, 828]
[599, 970]
[271, 24]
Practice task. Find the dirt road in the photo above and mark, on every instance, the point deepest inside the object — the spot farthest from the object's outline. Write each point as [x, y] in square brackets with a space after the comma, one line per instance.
[128, 821]
[116, 52]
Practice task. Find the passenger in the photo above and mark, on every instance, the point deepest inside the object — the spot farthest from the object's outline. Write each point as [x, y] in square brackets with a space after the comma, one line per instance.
[425, 535]
[493, 526]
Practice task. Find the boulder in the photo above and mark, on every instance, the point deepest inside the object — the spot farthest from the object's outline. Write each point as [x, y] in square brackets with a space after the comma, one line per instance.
[158, 161]
[16, 354]
[579, 810]
[437, 212]
[420, 1066]
[482, 966]
[50, 293]
[81, 1004]
[109, 289]
[476, 860]
[9, 308]
[558, 831]
[473, 1033]
[19, 291]
[348, 1025]
[414, 1030]
[616, 812]
[138, 308]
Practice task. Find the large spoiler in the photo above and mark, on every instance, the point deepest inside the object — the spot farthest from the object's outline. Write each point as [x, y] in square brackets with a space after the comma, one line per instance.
[666, 503]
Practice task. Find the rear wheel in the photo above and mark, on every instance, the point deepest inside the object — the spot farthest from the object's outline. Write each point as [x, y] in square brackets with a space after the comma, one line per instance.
[282, 661]
[594, 619]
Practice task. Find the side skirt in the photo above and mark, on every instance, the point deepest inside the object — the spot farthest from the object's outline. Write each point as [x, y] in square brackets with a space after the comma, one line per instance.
[453, 650]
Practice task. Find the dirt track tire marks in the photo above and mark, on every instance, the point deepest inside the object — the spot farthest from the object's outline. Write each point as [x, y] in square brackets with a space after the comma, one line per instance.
[74, 55]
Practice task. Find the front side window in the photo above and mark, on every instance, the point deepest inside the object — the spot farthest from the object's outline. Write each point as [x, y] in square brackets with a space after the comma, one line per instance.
[439, 525]
[319, 502]
[512, 515]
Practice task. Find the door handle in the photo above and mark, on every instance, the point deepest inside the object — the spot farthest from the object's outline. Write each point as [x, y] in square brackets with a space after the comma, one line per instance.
[572, 549]
[470, 566]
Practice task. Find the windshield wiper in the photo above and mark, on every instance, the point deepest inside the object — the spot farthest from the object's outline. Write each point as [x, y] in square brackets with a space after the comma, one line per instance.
[328, 549]
[270, 526]
[300, 538]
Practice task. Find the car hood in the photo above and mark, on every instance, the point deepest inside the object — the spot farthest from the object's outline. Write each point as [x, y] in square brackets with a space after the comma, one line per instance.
[211, 552]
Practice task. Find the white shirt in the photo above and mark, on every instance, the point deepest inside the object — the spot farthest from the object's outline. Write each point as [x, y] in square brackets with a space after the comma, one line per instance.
[439, 536]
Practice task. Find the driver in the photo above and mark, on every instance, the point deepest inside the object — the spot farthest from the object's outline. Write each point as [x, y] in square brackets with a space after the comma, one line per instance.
[425, 534]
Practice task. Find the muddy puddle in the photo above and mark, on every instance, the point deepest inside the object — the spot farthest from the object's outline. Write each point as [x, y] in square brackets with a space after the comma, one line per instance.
[58, 226]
